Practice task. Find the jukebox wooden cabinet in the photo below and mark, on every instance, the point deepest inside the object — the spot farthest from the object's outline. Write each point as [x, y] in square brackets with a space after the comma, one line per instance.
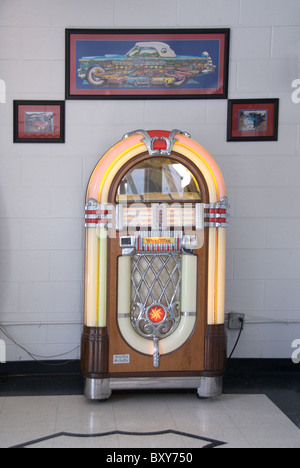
[155, 217]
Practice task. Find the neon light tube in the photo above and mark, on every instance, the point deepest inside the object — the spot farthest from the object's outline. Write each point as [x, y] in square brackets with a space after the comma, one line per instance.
[91, 268]
[221, 274]
[132, 151]
[189, 283]
[124, 285]
[166, 345]
[134, 340]
[101, 317]
[107, 161]
[211, 277]
[193, 145]
[179, 337]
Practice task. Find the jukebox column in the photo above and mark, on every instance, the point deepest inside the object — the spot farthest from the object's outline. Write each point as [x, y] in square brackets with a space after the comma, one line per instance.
[94, 342]
[215, 340]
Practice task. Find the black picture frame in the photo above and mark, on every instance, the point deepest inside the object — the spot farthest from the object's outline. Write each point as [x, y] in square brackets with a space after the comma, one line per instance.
[252, 120]
[109, 63]
[39, 121]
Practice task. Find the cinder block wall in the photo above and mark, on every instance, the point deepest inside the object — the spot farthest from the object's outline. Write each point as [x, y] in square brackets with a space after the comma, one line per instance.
[42, 187]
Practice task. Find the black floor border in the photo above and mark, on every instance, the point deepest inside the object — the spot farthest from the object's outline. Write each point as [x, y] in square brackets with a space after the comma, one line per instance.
[212, 443]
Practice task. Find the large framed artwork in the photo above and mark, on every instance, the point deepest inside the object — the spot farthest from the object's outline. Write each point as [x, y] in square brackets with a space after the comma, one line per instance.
[252, 120]
[39, 121]
[147, 64]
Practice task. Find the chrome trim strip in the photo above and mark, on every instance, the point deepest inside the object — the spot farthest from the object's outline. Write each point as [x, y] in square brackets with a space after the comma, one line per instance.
[153, 383]
[100, 389]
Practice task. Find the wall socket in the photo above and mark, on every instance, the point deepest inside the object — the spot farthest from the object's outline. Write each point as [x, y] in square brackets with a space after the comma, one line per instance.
[236, 321]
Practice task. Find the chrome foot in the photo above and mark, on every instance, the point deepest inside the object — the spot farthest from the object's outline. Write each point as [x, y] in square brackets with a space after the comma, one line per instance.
[210, 387]
[97, 389]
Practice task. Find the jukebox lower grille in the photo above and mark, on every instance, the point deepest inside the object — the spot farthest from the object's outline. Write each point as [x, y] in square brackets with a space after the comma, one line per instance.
[155, 294]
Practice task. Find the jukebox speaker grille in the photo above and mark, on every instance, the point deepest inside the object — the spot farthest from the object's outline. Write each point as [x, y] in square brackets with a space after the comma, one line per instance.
[155, 294]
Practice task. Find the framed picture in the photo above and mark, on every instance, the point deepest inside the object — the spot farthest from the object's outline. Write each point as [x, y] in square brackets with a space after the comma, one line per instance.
[39, 121]
[252, 120]
[147, 64]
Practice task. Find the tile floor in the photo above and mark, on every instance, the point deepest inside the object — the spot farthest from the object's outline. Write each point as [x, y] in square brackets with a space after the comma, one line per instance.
[129, 421]
[44, 407]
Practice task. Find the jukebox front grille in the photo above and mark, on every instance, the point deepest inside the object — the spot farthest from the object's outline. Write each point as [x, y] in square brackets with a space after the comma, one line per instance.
[156, 280]
[155, 296]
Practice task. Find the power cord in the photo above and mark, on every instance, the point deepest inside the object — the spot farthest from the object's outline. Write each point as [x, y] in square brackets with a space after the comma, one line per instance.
[241, 319]
[35, 356]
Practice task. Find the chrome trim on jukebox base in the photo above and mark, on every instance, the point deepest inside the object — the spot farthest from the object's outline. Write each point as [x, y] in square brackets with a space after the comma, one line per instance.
[210, 387]
[100, 389]
[97, 389]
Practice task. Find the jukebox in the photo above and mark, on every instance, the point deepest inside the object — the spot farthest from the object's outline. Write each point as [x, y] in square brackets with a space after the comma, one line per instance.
[155, 217]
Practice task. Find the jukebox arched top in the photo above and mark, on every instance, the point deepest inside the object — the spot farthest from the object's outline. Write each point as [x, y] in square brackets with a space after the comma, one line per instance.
[156, 143]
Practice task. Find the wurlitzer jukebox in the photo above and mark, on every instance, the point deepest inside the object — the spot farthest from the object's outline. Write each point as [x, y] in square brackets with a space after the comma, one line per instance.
[156, 213]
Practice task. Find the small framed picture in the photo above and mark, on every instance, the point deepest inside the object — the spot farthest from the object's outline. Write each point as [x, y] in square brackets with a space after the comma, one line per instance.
[39, 121]
[252, 120]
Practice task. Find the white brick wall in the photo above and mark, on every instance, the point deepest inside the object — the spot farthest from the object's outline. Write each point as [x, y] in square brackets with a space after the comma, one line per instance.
[42, 187]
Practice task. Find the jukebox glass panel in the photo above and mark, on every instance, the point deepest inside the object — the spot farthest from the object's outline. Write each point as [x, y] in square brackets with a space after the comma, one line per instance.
[158, 179]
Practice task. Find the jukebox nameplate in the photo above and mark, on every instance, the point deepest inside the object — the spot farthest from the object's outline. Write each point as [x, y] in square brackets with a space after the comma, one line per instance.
[158, 240]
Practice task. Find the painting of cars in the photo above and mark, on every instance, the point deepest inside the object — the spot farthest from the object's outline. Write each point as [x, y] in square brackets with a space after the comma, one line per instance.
[253, 120]
[110, 64]
[39, 122]
[147, 64]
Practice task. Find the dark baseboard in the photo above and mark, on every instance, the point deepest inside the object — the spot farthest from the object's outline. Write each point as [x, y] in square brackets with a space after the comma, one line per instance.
[261, 365]
[234, 366]
[18, 368]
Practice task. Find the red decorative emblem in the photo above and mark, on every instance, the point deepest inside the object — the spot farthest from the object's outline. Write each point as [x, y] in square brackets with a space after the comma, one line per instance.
[156, 314]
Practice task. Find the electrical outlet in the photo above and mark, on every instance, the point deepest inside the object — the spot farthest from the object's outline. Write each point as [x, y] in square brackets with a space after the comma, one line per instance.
[236, 321]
